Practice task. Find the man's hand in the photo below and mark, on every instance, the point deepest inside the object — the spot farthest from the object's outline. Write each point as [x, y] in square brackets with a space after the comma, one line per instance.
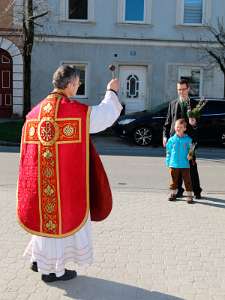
[164, 142]
[192, 121]
[114, 84]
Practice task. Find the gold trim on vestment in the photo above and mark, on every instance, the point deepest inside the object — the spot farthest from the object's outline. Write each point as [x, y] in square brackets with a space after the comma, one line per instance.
[88, 156]
[39, 187]
[67, 119]
[58, 188]
[57, 173]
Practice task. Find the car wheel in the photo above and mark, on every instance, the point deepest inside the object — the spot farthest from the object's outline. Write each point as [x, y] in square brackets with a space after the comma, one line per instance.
[142, 136]
[223, 138]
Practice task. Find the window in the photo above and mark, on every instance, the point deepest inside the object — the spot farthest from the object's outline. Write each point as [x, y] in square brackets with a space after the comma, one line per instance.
[82, 88]
[134, 11]
[193, 11]
[194, 76]
[5, 60]
[82, 67]
[8, 101]
[78, 9]
[214, 107]
[6, 79]
[132, 86]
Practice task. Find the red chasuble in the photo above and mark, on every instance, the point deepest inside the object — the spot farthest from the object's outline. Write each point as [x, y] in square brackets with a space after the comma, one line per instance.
[53, 184]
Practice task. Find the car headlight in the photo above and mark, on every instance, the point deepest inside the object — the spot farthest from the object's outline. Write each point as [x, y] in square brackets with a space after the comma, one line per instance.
[126, 121]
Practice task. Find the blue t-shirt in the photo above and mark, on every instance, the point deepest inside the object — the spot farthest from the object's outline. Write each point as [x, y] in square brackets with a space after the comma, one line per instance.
[177, 149]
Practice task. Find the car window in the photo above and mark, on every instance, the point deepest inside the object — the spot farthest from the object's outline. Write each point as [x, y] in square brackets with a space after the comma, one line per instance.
[161, 109]
[163, 112]
[214, 107]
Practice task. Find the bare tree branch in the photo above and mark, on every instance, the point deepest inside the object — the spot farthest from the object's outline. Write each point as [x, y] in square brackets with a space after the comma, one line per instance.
[217, 58]
[38, 16]
[39, 25]
[216, 51]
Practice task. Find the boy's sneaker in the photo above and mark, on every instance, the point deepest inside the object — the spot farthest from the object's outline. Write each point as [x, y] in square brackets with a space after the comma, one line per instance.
[190, 200]
[172, 197]
[189, 197]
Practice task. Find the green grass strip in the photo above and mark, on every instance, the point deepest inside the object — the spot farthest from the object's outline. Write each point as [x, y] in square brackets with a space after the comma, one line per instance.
[11, 131]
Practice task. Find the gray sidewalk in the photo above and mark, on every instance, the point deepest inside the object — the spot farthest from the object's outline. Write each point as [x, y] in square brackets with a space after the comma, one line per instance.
[148, 248]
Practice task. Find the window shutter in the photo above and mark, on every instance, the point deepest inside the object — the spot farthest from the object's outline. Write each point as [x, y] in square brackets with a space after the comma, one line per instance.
[193, 11]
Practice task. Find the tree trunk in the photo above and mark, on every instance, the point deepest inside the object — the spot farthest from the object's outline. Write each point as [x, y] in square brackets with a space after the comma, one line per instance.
[27, 85]
[28, 27]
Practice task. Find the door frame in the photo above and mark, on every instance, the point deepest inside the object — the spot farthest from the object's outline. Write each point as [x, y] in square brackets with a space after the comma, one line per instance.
[6, 110]
[18, 80]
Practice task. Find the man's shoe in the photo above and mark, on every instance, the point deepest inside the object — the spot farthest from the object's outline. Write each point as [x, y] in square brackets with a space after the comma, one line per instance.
[198, 196]
[69, 274]
[172, 197]
[180, 193]
[34, 266]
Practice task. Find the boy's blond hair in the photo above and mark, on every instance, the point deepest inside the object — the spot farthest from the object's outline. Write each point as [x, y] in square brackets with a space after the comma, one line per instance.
[181, 122]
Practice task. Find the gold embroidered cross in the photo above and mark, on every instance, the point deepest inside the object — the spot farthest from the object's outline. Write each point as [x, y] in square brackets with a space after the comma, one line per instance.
[47, 132]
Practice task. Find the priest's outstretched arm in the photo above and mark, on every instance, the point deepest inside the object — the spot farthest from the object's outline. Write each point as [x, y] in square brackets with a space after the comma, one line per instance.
[107, 112]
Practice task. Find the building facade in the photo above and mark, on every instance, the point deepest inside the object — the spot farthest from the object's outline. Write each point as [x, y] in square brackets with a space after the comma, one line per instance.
[152, 43]
[11, 61]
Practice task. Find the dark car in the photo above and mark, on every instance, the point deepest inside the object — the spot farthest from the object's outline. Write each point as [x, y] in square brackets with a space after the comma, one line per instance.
[146, 127]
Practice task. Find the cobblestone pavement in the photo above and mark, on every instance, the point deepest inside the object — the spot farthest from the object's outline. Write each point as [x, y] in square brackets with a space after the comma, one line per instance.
[148, 248]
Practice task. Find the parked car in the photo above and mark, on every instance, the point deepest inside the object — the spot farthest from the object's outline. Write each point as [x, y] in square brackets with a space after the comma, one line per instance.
[146, 127]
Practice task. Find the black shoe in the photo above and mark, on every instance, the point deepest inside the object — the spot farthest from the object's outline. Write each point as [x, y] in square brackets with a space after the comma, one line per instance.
[180, 193]
[198, 196]
[69, 274]
[34, 266]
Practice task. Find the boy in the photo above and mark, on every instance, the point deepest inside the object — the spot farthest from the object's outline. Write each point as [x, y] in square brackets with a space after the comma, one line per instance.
[177, 159]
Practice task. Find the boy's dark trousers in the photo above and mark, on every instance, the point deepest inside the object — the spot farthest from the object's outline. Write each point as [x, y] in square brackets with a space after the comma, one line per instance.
[194, 179]
[184, 173]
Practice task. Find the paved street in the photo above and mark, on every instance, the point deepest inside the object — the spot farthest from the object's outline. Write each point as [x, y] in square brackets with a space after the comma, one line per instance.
[148, 248]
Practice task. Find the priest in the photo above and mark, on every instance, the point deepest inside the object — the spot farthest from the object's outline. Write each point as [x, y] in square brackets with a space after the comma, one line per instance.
[62, 185]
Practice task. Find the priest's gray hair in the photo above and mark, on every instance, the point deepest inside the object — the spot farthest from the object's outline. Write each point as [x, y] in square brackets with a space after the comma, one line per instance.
[64, 75]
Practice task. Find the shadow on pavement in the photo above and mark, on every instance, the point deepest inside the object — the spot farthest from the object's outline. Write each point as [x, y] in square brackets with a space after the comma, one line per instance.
[210, 201]
[89, 288]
